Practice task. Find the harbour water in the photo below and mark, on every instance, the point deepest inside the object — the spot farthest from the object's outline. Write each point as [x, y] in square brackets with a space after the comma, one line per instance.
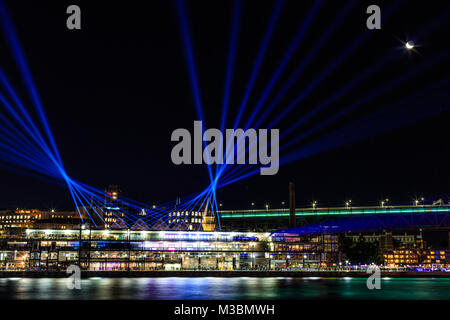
[226, 288]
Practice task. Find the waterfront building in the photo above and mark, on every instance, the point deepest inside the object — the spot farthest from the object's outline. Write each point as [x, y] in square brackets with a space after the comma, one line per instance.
[436, 258]
[389, 240]
[35, 218]
[19, 218]
[395, 258]
[187, 239]
[97, 250]
[29, 218]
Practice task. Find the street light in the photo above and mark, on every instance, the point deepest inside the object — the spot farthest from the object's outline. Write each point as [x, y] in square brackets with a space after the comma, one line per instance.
[417, 201]
[314, 204]
[348, 203]
[267, 207]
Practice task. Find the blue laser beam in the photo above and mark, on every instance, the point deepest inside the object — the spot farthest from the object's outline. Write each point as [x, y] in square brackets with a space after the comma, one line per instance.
[259, 60]
[333, 27]
[286, 58]
[191, 66]
[21, 62]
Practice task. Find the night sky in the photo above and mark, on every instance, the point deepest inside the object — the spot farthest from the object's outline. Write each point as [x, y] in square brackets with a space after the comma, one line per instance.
[116, 89]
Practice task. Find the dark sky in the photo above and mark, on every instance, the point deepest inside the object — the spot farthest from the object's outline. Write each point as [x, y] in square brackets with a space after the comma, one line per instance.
[115, 90]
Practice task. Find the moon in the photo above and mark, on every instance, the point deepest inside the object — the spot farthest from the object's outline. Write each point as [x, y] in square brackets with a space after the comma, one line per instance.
[409, 45]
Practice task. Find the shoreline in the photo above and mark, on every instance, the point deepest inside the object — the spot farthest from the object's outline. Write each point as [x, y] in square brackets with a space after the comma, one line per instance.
[222, 274]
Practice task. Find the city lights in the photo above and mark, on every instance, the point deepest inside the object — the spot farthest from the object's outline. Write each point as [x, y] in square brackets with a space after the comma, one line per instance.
[326, 109]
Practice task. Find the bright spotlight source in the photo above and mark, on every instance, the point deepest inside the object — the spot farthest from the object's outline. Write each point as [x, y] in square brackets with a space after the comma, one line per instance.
[409, 45]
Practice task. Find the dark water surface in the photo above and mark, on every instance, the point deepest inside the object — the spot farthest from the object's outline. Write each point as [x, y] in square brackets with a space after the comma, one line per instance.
[225, 288]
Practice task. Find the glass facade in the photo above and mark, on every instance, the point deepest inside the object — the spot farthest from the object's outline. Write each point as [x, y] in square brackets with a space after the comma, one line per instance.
[111, 250]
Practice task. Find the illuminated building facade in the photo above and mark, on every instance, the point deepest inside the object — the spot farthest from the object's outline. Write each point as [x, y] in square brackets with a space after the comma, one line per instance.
[35, 218]
[394, 258]
[29, 218]
[198, 218]
[106, 213]
[187, 220]
[187, 240]
[125, 250]
[417, 257]
[436, 258]
[19, 218]
[387, 240]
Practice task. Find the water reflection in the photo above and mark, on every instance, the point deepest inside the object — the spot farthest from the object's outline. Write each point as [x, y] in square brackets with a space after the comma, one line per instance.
[224, 288]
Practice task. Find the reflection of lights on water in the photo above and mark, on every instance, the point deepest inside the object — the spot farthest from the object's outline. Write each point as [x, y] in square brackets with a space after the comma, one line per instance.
[347, 278]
